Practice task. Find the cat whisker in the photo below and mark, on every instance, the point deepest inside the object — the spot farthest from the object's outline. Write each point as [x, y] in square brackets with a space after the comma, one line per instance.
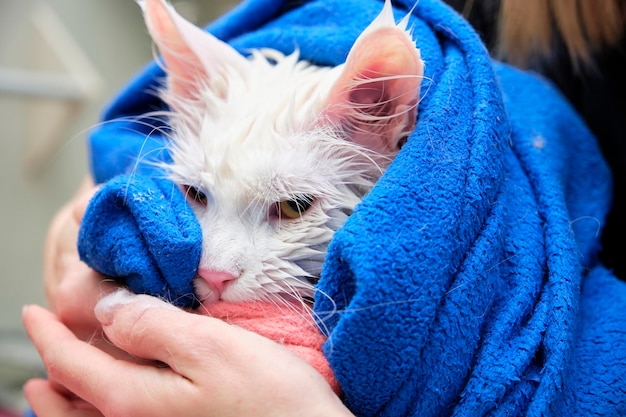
[296, 305]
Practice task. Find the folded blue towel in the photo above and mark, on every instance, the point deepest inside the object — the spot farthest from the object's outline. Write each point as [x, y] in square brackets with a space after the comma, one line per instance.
[141, 230]
[467, 282]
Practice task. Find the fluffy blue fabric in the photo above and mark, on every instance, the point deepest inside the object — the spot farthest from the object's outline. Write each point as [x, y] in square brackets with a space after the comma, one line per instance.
[142, 231]
[467, 282]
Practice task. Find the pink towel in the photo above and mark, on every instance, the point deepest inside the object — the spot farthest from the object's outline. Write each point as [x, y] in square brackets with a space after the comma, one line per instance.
[291, 326]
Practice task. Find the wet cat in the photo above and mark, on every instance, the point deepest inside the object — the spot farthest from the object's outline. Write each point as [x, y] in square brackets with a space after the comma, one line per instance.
[273, 153]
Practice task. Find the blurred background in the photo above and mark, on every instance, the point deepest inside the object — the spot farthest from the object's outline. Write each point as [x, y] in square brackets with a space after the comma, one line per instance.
[60, 62]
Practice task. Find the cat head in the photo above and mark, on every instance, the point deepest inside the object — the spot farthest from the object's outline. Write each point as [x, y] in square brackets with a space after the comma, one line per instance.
[273, 153]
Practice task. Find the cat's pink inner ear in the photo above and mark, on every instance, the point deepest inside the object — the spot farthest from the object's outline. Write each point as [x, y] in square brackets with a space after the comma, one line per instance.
[375, 98]
[183, 66]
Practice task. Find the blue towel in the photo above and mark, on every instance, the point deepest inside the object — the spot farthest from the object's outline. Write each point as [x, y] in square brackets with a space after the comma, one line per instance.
[141, 230]
[467, 282]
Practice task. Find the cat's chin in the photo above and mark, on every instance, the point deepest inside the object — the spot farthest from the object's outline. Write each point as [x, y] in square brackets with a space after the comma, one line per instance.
[211, 299]
[204, 293]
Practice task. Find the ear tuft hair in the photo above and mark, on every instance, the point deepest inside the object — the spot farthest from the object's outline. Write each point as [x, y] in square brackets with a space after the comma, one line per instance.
[191, 55]
[375, 98]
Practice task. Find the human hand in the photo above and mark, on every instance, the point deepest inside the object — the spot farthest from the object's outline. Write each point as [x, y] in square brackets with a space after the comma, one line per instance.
[72, 288]
[192, 365]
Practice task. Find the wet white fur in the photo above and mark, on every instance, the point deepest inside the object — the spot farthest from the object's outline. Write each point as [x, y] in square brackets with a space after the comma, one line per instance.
[256, 133]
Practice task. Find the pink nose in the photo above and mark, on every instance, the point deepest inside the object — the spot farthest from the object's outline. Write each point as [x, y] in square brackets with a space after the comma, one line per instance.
[217, 280]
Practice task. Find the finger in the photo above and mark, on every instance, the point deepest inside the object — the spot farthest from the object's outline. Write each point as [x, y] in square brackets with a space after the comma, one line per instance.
[52, 339]
[83, 195]
[153, 329]
[77, 311]
[60, 246]
[95, 376]
[45, 401]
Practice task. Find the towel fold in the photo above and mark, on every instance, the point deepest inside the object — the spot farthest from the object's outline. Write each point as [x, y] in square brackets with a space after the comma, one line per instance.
[467, 282]
[140, 230]
[291, 326]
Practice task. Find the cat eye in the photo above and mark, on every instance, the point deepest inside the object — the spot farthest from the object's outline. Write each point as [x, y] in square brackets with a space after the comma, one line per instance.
[297, 206]
[195, 195]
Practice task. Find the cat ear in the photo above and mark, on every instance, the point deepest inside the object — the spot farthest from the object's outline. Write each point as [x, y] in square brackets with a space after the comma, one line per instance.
[191, 55]
[375, 98]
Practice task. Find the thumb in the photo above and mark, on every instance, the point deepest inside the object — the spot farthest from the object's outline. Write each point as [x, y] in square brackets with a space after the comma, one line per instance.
[152, 329]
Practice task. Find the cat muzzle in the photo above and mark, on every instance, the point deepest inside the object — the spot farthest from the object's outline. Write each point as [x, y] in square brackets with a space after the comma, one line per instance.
[216, 280]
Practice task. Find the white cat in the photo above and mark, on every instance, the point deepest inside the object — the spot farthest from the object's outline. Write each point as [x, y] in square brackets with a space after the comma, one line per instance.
[274, 153]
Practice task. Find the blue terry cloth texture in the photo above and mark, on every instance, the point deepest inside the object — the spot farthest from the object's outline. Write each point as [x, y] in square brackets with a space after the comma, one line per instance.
[139, 229]
[467, 282]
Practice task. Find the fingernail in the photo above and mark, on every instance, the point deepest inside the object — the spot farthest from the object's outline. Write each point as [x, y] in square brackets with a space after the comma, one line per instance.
[105, 308]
